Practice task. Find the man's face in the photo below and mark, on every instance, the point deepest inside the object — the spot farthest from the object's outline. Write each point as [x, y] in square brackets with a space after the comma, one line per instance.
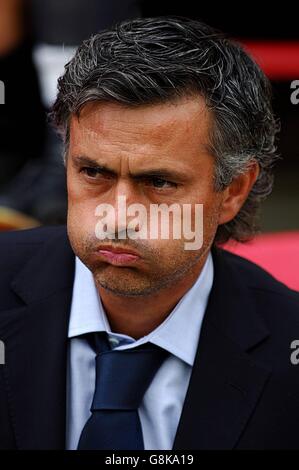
[154, 154]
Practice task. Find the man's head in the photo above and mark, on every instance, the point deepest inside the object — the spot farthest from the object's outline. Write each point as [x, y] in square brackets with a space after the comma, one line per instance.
[163, 110]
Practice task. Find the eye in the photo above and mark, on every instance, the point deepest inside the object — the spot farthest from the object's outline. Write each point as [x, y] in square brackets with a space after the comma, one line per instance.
[161, 183]
[96, 173]
[89, 171]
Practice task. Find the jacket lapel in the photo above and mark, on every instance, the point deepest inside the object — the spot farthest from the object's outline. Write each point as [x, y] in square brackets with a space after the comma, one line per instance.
[35, 336]
[225, 383]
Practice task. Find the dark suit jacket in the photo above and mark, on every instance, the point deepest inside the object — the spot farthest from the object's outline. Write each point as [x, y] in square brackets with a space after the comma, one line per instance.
[243, 392]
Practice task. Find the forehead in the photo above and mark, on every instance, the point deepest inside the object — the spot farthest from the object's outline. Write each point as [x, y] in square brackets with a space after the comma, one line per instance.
[164, 129]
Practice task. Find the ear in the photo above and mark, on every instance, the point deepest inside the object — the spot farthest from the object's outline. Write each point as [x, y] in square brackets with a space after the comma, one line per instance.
[236, 193]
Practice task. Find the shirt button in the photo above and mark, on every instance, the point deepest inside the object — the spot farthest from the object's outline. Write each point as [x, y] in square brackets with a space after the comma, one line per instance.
[114, 341]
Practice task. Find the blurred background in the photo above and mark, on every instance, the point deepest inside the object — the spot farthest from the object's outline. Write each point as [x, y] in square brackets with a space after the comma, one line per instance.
[37, 37]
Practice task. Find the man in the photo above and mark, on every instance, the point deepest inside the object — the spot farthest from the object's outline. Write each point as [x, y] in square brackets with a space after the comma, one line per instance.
[119, 342]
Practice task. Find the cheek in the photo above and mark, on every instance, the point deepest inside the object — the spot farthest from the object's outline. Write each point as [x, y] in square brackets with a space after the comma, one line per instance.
[211, 217]
[81, 218]
[74, 189]
[80, 206]
[168, 252]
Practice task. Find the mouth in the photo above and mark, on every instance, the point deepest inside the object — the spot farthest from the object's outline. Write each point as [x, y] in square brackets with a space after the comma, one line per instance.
[118, 256]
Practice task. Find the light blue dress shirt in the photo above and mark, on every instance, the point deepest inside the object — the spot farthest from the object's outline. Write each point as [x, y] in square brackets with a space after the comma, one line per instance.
[162, 403]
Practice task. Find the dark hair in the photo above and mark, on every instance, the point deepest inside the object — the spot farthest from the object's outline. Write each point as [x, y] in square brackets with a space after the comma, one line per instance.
[154, 60]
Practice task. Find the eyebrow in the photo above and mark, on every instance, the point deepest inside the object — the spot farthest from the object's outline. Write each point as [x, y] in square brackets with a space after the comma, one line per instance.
[150, 172]
[86, 161]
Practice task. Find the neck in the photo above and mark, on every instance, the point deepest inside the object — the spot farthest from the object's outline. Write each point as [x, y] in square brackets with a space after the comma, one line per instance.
[138, 316]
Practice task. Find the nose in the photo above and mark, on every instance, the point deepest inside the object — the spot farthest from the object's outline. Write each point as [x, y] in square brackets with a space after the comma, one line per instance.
[125, 202]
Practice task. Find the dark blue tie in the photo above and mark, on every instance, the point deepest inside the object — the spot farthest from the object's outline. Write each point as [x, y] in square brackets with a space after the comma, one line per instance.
[122, 378]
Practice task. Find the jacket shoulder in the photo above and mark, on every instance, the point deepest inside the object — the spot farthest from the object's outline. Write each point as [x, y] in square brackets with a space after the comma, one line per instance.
[273, 298]
[255, 276]
[32, 235]
[19, 246]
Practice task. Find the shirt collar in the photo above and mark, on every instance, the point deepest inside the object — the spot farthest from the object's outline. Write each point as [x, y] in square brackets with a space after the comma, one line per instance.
[88, 315]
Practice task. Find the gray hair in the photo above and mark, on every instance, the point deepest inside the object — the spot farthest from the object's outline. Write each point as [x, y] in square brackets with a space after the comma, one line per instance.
[155, 60]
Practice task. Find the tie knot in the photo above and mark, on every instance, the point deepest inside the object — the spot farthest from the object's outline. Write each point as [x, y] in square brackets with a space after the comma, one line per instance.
[122, 376]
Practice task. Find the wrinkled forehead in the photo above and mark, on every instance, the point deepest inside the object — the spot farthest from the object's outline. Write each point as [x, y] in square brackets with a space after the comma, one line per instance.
[183, 123]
